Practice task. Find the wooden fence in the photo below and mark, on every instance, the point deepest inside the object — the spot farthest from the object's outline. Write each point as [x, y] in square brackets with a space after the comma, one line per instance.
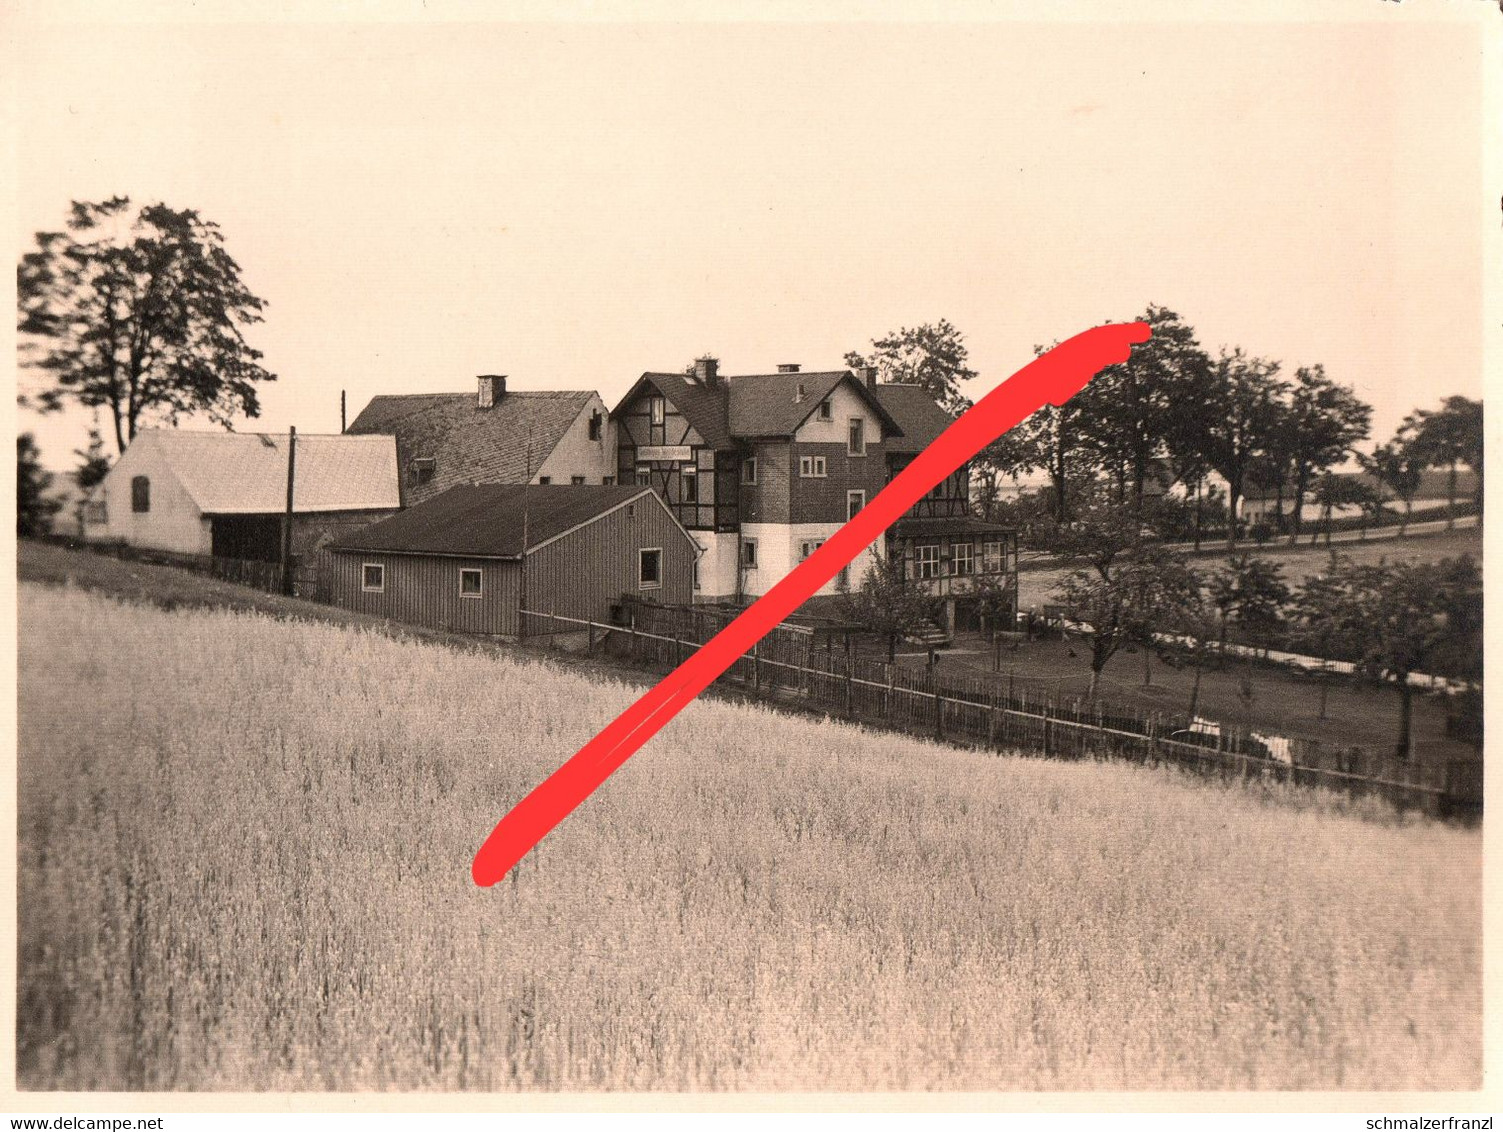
[788, 667]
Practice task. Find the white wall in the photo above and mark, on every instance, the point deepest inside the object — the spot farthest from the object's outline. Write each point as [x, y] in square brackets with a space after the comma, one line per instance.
[577, 455]
[173, 524]
[717, 565]
[779, 547]
[844, 404]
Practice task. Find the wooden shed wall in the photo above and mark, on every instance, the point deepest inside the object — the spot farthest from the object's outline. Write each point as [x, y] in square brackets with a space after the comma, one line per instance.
[585, 572]
[424, 590]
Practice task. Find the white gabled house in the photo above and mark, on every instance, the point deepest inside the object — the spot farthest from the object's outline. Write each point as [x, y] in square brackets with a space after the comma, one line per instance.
[225, 493]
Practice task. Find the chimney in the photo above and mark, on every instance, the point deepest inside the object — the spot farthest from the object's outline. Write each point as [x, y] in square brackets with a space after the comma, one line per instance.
[869, 375]
[492, 389]
[707, 371]
[788, 367]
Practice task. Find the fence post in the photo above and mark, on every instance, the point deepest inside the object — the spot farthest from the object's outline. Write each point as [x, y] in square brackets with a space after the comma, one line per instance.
[757, 669]
[850, 687]
[1048, 729]
[590, 638]
[939, 712]
[991, 720]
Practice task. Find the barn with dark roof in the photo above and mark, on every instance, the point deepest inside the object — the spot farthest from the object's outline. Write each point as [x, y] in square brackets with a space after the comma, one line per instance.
[472, 558]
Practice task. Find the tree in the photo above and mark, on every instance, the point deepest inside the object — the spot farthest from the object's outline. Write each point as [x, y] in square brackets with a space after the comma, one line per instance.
[932, 355]
[1120, 604]
[93, 464]
[34, 510]
[1250, 593]
[1127, 411]
[1332, 491]
[1323, 423]
[887, 606]
[1391, 619]
[1446, 437]
[1194, 616]
[1398, 467]
[1231, 415]
[142, 318]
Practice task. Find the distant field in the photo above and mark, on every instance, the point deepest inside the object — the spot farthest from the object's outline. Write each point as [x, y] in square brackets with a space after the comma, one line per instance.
[243, 864]
[1036, 587]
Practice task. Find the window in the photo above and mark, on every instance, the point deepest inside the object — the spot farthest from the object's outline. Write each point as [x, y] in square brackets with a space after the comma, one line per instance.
[696, 573]
[609, 481]
[644, 475]
[749, 470]
[545, 479]
[373, 578]
[807, 548]
[854, 501]
[749, 553]
[576, 479]
[962, 558]
[689, 483]
[824, 409]
[140, 495]
[650, 568]
[856, 438]
[595, 425]
[469, 583]
[421, 471]
[928, 561]
[812, 467]
[991, 558]
[656, 409]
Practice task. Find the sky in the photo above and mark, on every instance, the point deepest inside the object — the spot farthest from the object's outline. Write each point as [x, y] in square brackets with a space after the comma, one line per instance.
[571, 204]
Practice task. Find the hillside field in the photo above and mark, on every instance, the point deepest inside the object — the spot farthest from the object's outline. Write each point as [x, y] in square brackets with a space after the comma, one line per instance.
[244, 864]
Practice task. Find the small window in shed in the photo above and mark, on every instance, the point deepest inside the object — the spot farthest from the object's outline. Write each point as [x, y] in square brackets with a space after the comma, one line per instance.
[545, 479]
[373, 578]
[140, 494]
[650, 568]
[576, 479]
[469, 583]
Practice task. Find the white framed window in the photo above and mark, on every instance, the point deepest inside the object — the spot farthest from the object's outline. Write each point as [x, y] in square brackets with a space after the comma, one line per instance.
[749, 470]
[926, 558]
[576, 479]
[962, 558]
[373, 578]
[808, 547]
[991, 558]
[469, 583]
[689, 483]
[656, 409]
[749, 553]
[644, 475]
[825, 410]
[854, 501]
[650, 568]
[812, 467]
[856, 437]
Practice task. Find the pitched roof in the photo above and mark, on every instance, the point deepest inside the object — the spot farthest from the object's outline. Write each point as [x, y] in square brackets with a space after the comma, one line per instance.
[506, 443]
[486, 520]
[245, 473]
[758, 404]
[704, 408]
[946, 526]
[917, 414]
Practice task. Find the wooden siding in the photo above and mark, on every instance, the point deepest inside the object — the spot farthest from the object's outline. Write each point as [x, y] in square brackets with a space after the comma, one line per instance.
[587, 571]
[425, 591]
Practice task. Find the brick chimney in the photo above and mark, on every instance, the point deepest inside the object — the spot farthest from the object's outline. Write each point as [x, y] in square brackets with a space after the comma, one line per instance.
[492, 389]
[869, 375]
[707, 371]
[788, 367]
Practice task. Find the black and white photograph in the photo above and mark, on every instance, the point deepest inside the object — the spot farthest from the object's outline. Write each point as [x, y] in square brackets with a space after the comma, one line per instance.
[740, 552]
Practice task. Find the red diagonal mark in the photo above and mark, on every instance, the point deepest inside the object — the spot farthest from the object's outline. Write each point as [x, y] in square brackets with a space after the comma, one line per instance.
[1052, 378]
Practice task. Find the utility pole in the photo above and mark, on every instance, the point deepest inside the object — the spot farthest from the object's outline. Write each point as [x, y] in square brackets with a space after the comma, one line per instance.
[287, 518]
[341, 413]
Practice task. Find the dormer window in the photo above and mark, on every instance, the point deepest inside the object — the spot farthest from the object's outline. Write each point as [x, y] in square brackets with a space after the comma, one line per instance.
[826, 410]
[421, 471]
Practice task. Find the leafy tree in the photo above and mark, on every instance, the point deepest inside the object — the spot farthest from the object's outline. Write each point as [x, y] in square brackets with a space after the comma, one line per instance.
[1392, 619]
[1449, 436]
[34, 510]
[887, 606]
[1323, 423]
[1333, 491]
[932, 355]
[1127, 411]
[1398, 467]
[1232, 415]
[1250, 593]
[93, 463]
[1120, 604]
[1195, 617]
[142, 317]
